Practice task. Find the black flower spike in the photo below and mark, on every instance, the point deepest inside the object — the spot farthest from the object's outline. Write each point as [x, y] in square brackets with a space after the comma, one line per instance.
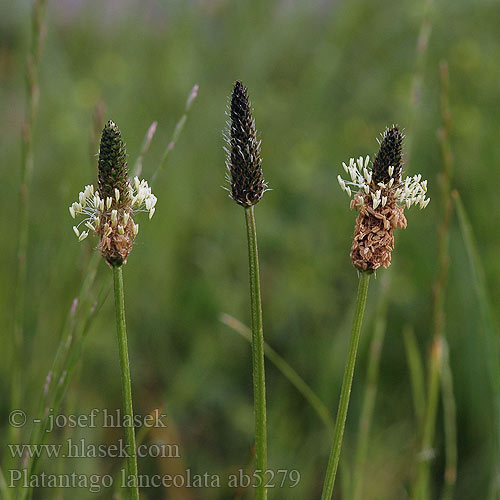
[389, 155]
[112, 168]
[244, 162]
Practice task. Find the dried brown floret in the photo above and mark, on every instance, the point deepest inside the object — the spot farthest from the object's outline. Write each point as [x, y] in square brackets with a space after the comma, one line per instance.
[373, 240]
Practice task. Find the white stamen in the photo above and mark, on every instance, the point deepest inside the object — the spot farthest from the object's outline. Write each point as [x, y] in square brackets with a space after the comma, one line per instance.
[126, 217]
[83, 236]
[120, 229]
[109, 201]
[75, 229]
[114, 215]
[136, 229]
[117, 195]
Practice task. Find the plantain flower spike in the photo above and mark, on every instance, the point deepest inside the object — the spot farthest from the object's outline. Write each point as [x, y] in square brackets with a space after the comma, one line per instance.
[109, 210]
[244, 165]
[381, 195]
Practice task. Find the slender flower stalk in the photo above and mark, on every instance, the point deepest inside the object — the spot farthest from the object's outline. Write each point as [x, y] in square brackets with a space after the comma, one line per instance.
[380, 194]
[121, 331]
[109, 212]
[338, 433]
[368, 406]
[247, 185]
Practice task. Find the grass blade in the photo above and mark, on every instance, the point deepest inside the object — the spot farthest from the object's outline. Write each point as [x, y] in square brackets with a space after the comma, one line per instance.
[440, 289]
[27, 167]
[426, 453]
[450, 426]
[489, 328]
[4, 489]
[417, 378]
[287, 371]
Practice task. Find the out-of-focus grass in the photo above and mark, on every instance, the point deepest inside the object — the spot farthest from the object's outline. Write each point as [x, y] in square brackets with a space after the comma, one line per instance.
[325, 79]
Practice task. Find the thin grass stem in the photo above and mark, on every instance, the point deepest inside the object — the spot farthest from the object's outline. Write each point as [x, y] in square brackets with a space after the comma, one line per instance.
[259, 379]
[146, 142]
[418, 76]
[490, 331]
[345, 393]
[286, 370]
[449, 408]
[33, 92]
[59, 380]
[368, 406]
[4, 489]
[128, 411]
[450, 426]
[416, 368]
[426, 453]
[176, 134]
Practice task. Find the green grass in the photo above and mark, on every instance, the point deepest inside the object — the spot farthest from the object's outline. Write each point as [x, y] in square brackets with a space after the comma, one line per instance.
[325, 79]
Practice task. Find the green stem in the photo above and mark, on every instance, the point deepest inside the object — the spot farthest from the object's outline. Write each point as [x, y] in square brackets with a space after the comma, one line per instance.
[450, 426]
[490, 331]
[286, 369]
[421, 488]
[176, 134]
[345, 393]
[259, 381]
[33, 91]
[121, 330]
[368, 406]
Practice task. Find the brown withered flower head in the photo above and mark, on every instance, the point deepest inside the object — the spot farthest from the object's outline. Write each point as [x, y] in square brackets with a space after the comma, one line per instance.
[244, 166]
[110, 209]
[380, 195]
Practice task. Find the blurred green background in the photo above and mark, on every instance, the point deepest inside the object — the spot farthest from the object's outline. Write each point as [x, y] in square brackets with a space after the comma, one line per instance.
[325, 78]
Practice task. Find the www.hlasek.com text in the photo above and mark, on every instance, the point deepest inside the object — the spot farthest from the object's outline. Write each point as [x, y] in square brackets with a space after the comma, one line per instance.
[81, 449]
